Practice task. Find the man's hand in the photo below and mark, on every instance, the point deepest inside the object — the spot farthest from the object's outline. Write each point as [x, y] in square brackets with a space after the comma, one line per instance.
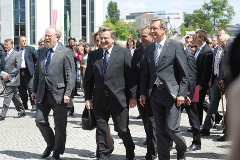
[187, 101]
[5, 78]
[221, 84]
[200, 87]
[180, 100]
[34, 96]
[209, 84]
[132, 103]
[66, 99]
[89, 104]
[142, 100]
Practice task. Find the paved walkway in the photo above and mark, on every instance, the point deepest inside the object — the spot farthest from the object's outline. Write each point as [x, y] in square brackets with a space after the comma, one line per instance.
[21, 139]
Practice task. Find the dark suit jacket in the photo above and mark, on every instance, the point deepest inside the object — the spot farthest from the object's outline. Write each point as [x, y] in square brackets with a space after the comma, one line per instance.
[30, 57]
[12, 65]
[172, 68]
[119, 81]
[60, 77]
[192, 70]
[136, 65]
[204, 66]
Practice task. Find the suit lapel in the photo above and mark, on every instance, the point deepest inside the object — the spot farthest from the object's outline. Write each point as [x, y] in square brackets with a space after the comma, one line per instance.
[7, 58]
[164, 49]
[43, 59]
[151, 59]
[55, 56]
[26, 51]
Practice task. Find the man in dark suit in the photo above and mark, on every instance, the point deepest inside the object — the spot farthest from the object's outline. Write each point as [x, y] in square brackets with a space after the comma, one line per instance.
[191, 107]
[10, 68]
[29, 59]
[204, 57]
[217, 69]
[165, 68]
[53, 83]
[109, 86]
[145, 111]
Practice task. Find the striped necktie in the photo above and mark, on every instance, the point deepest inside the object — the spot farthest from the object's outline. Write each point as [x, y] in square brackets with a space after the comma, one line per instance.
[216, 62]
[156, 58]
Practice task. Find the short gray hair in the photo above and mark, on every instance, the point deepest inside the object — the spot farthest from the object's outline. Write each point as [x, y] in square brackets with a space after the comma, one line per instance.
[57, 31]
[104, 29]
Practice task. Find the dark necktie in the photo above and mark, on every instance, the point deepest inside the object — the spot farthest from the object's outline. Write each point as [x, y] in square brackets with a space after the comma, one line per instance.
[21, 51]
[105, 61]
[48, 59]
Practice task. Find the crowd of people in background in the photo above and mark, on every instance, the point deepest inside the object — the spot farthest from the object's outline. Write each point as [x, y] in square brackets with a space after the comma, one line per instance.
[160, 75]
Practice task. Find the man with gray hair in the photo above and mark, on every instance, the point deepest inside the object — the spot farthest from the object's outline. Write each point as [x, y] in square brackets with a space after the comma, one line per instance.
[53, 83]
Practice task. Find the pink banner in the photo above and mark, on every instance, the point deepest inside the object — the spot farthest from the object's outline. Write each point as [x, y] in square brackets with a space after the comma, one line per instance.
[54, 17]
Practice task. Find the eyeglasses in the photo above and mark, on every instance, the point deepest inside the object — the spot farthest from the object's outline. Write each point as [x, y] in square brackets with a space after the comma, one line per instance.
[154, 29]
[104, 38]
[48, 36]
[42, 44]
[144, 36]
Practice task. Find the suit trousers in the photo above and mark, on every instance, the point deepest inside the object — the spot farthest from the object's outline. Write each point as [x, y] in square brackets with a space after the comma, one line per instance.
[25, 88]
[200, 107]
[213, 107]
[120, 116]
[60, 120]
[151, 132]
[167, 118]
[193, 117]
[143, 113]
[10, 94]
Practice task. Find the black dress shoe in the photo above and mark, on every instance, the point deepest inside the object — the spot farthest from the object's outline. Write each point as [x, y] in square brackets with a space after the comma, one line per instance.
[145, 143]
[150, 157]
[194, 147]
[94, 155]
[181, 156]
[222, 138]
[47, 152]
[130, 156]
[55, 156]
[204, 132]
[190, 129]
[2, 118]
[20, 114]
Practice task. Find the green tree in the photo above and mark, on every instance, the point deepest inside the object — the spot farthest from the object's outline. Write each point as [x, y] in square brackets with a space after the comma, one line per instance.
[219, 12]
[113, 12]
[212, 16]
[120, 28]
[134, 30]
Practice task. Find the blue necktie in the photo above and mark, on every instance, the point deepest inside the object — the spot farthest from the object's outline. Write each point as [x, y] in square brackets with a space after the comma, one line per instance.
[105, 61]
[49, 56]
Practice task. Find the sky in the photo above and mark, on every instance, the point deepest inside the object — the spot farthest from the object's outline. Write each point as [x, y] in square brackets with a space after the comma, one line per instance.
[130, 6]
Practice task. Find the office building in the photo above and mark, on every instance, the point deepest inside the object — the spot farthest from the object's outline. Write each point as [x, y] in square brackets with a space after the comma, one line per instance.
[75, 18]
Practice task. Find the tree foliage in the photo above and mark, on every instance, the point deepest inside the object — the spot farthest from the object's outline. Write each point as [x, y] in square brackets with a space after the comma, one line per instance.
[210, 17]
[113, 12]
[120, 29]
